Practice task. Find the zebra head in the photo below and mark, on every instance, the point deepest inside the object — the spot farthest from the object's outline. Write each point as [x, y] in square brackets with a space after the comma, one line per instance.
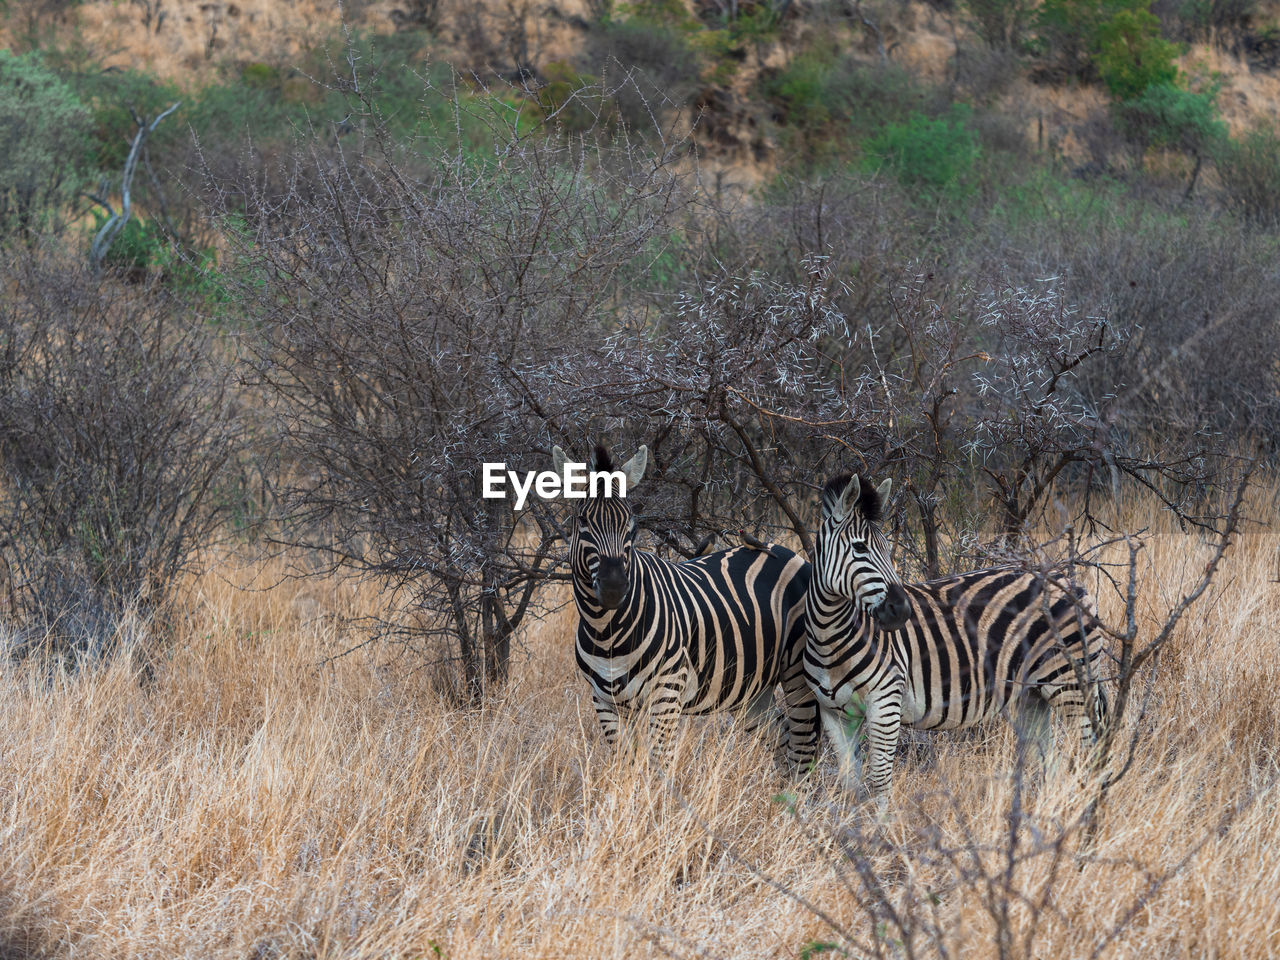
[604, 532]
[852, 557]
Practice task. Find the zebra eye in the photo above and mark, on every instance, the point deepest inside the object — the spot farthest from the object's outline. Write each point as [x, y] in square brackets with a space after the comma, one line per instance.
[860, 548]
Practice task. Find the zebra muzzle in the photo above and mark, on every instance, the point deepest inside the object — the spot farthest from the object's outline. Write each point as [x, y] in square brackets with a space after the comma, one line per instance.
[611, 584]
[893, 610]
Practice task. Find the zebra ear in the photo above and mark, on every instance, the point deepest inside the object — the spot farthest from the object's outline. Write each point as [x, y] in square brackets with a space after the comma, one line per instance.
[558, 459]
[634, 468]
[839, 497]
[882, 491]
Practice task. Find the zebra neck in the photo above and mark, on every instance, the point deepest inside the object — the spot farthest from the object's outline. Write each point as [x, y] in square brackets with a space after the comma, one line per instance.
[836, 619]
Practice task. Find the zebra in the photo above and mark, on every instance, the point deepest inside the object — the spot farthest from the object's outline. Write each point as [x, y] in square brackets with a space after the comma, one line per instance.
[660, 639]
[940, 655]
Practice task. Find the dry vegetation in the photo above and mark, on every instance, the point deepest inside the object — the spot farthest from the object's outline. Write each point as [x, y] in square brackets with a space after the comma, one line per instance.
[257, 801]
[316, 340]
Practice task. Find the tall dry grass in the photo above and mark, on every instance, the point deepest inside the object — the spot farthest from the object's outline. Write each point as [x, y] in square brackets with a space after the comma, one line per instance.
[255, 802]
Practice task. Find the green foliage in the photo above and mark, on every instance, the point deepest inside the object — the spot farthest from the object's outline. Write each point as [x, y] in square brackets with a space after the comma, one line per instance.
[757, 23]
[663, 13]
[1132, 55]
[1070, 205]
[1069, 29]
[855, 719]
[110, 96]
[43, 145]
[1165, 115]
[815, 948]
[569, 97]
[1072, 30]
[142, 248]
[1119, 39]
[138, 246]
[754, 25]
[229, 112]
[826, 104]
[1249, 170]
[260, 76]
[802, 90]
[933, 152]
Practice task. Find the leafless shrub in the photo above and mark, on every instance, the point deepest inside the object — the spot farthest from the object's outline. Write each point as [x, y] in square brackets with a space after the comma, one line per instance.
[1197, 305]
[727, 388]
[651, 68]
[423, 14]
[1002, 24]
[114, 433]
[429, 305]
[419, 316]
[1221, 22]
[985, 72]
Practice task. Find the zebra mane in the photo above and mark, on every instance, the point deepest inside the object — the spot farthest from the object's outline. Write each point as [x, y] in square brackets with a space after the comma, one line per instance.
[868, 503]
[600, 459]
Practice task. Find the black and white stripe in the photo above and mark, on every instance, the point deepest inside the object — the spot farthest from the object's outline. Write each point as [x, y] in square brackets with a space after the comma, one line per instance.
[937, 655]
[658, 639]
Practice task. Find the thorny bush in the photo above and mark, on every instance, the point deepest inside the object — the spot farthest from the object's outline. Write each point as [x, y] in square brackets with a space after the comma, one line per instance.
[423, 307]
[115, 429]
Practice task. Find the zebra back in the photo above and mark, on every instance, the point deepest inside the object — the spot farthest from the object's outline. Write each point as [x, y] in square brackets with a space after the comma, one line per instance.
[979, 641]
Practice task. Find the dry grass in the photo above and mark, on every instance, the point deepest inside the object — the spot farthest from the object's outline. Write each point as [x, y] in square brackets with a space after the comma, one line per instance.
[252, 804]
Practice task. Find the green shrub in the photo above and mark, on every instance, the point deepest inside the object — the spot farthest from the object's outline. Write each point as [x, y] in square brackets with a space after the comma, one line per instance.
[801, 90]
[1068, 31]
[138, 247]
[110, 97]
[260, 76]
[1165, 115]
[1073, 32]
[671, 13]
[825, 104]
[225, 113]
[44, 146]
[1132, 55]
[571, 97]
[935, 152]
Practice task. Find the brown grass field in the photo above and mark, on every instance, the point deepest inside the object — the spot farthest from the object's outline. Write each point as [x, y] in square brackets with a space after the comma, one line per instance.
[253, 803]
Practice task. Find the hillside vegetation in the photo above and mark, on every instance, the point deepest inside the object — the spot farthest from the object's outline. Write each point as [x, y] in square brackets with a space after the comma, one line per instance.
[275, 282]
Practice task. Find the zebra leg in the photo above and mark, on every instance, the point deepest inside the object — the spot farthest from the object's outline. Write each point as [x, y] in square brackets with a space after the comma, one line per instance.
[760, 710]
[844, 733]
[663, 707]
[607, 714]
[1087, 709]
[1096, 732]
[1033, 723]
[883, 722]
[801, 710]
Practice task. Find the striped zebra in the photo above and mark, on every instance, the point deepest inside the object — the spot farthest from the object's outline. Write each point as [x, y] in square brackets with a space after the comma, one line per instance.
[938, 655]
[659, 639]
